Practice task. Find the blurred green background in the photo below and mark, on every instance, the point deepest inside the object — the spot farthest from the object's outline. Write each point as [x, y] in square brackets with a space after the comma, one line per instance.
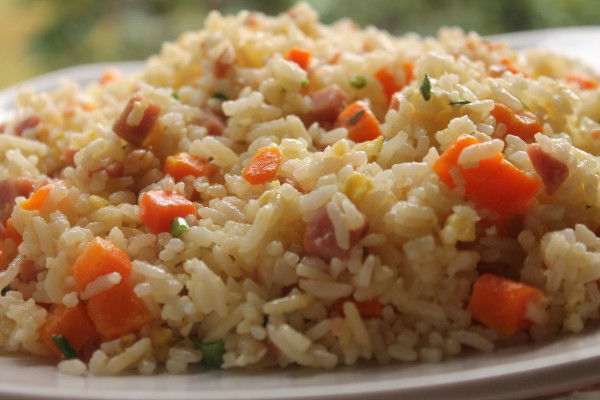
[37, 36]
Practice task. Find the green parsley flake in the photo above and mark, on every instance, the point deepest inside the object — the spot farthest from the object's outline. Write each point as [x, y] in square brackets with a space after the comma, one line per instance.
[425, 88]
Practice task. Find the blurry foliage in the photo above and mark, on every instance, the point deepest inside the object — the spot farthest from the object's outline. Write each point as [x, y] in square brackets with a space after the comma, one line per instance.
[83, 31]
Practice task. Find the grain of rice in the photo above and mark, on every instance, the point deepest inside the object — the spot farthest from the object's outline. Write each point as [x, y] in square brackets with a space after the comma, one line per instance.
[473, 340]
[325, 290]
[317, 198]
[72, 367]
[359, 331]
[129, 357]
[100, 285]
[70, 299]
[402, 353]
[286, 304]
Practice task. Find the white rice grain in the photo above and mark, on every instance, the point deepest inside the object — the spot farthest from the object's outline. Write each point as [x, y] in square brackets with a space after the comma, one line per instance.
[317, 198]
[101, 284]
[291, 303]
[359, 331]
[74, 367]
[473, 340]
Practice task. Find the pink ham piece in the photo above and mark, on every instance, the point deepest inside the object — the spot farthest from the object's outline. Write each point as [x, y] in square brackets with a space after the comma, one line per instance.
[10, 189]
[27, 123]
[135, 134]
[552, 171]
[319, 237]
[27, 271]
[327, 103]
[222, 65]
[213, 121]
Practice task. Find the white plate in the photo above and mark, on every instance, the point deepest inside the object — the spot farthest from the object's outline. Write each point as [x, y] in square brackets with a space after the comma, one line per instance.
[519, 372]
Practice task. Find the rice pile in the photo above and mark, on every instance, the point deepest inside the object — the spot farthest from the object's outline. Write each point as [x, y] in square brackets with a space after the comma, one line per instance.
[355, 250]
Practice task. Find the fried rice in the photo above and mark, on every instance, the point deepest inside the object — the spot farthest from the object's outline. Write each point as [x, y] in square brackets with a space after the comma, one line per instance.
[331, 215]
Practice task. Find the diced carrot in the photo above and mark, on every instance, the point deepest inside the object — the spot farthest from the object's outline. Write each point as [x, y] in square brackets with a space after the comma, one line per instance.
[100, 257]
[473, 176]
[388, 82]
[507, 62]
[507, 190]
[301, 57]
[183, 164]
[523, 124]
[501, 304]
[367, 309]
[110, 75]
[12, 232]
[118, 311]
[88, 106]
[159, 207]
[409, 72]
[360, 122]
[37, 199]
[449, 159]
[71, 322]
[336, 58]
[584, 82]
[495, 183]
[263, 167]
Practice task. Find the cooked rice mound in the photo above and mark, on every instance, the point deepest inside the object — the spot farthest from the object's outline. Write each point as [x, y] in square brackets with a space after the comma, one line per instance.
[273, 191]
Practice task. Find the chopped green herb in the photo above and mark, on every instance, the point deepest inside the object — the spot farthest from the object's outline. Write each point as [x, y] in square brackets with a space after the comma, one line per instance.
[304, 83]
[175, 95]
[212, 353]
[179, 226]
[459, 102]
[4, 291]
[426, 88]
[220, 96]
[358, 81]
[67, 351]
[355, 118]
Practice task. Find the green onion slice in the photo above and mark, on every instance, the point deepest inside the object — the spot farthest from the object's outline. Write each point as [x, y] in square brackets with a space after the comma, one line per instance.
[459, 102]
[67, 351]
[304, 83]
[212, 353]
[425, 88]
[356, 117]
[175, 95]
[358, 81]
[220, 96]
[179, 226]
